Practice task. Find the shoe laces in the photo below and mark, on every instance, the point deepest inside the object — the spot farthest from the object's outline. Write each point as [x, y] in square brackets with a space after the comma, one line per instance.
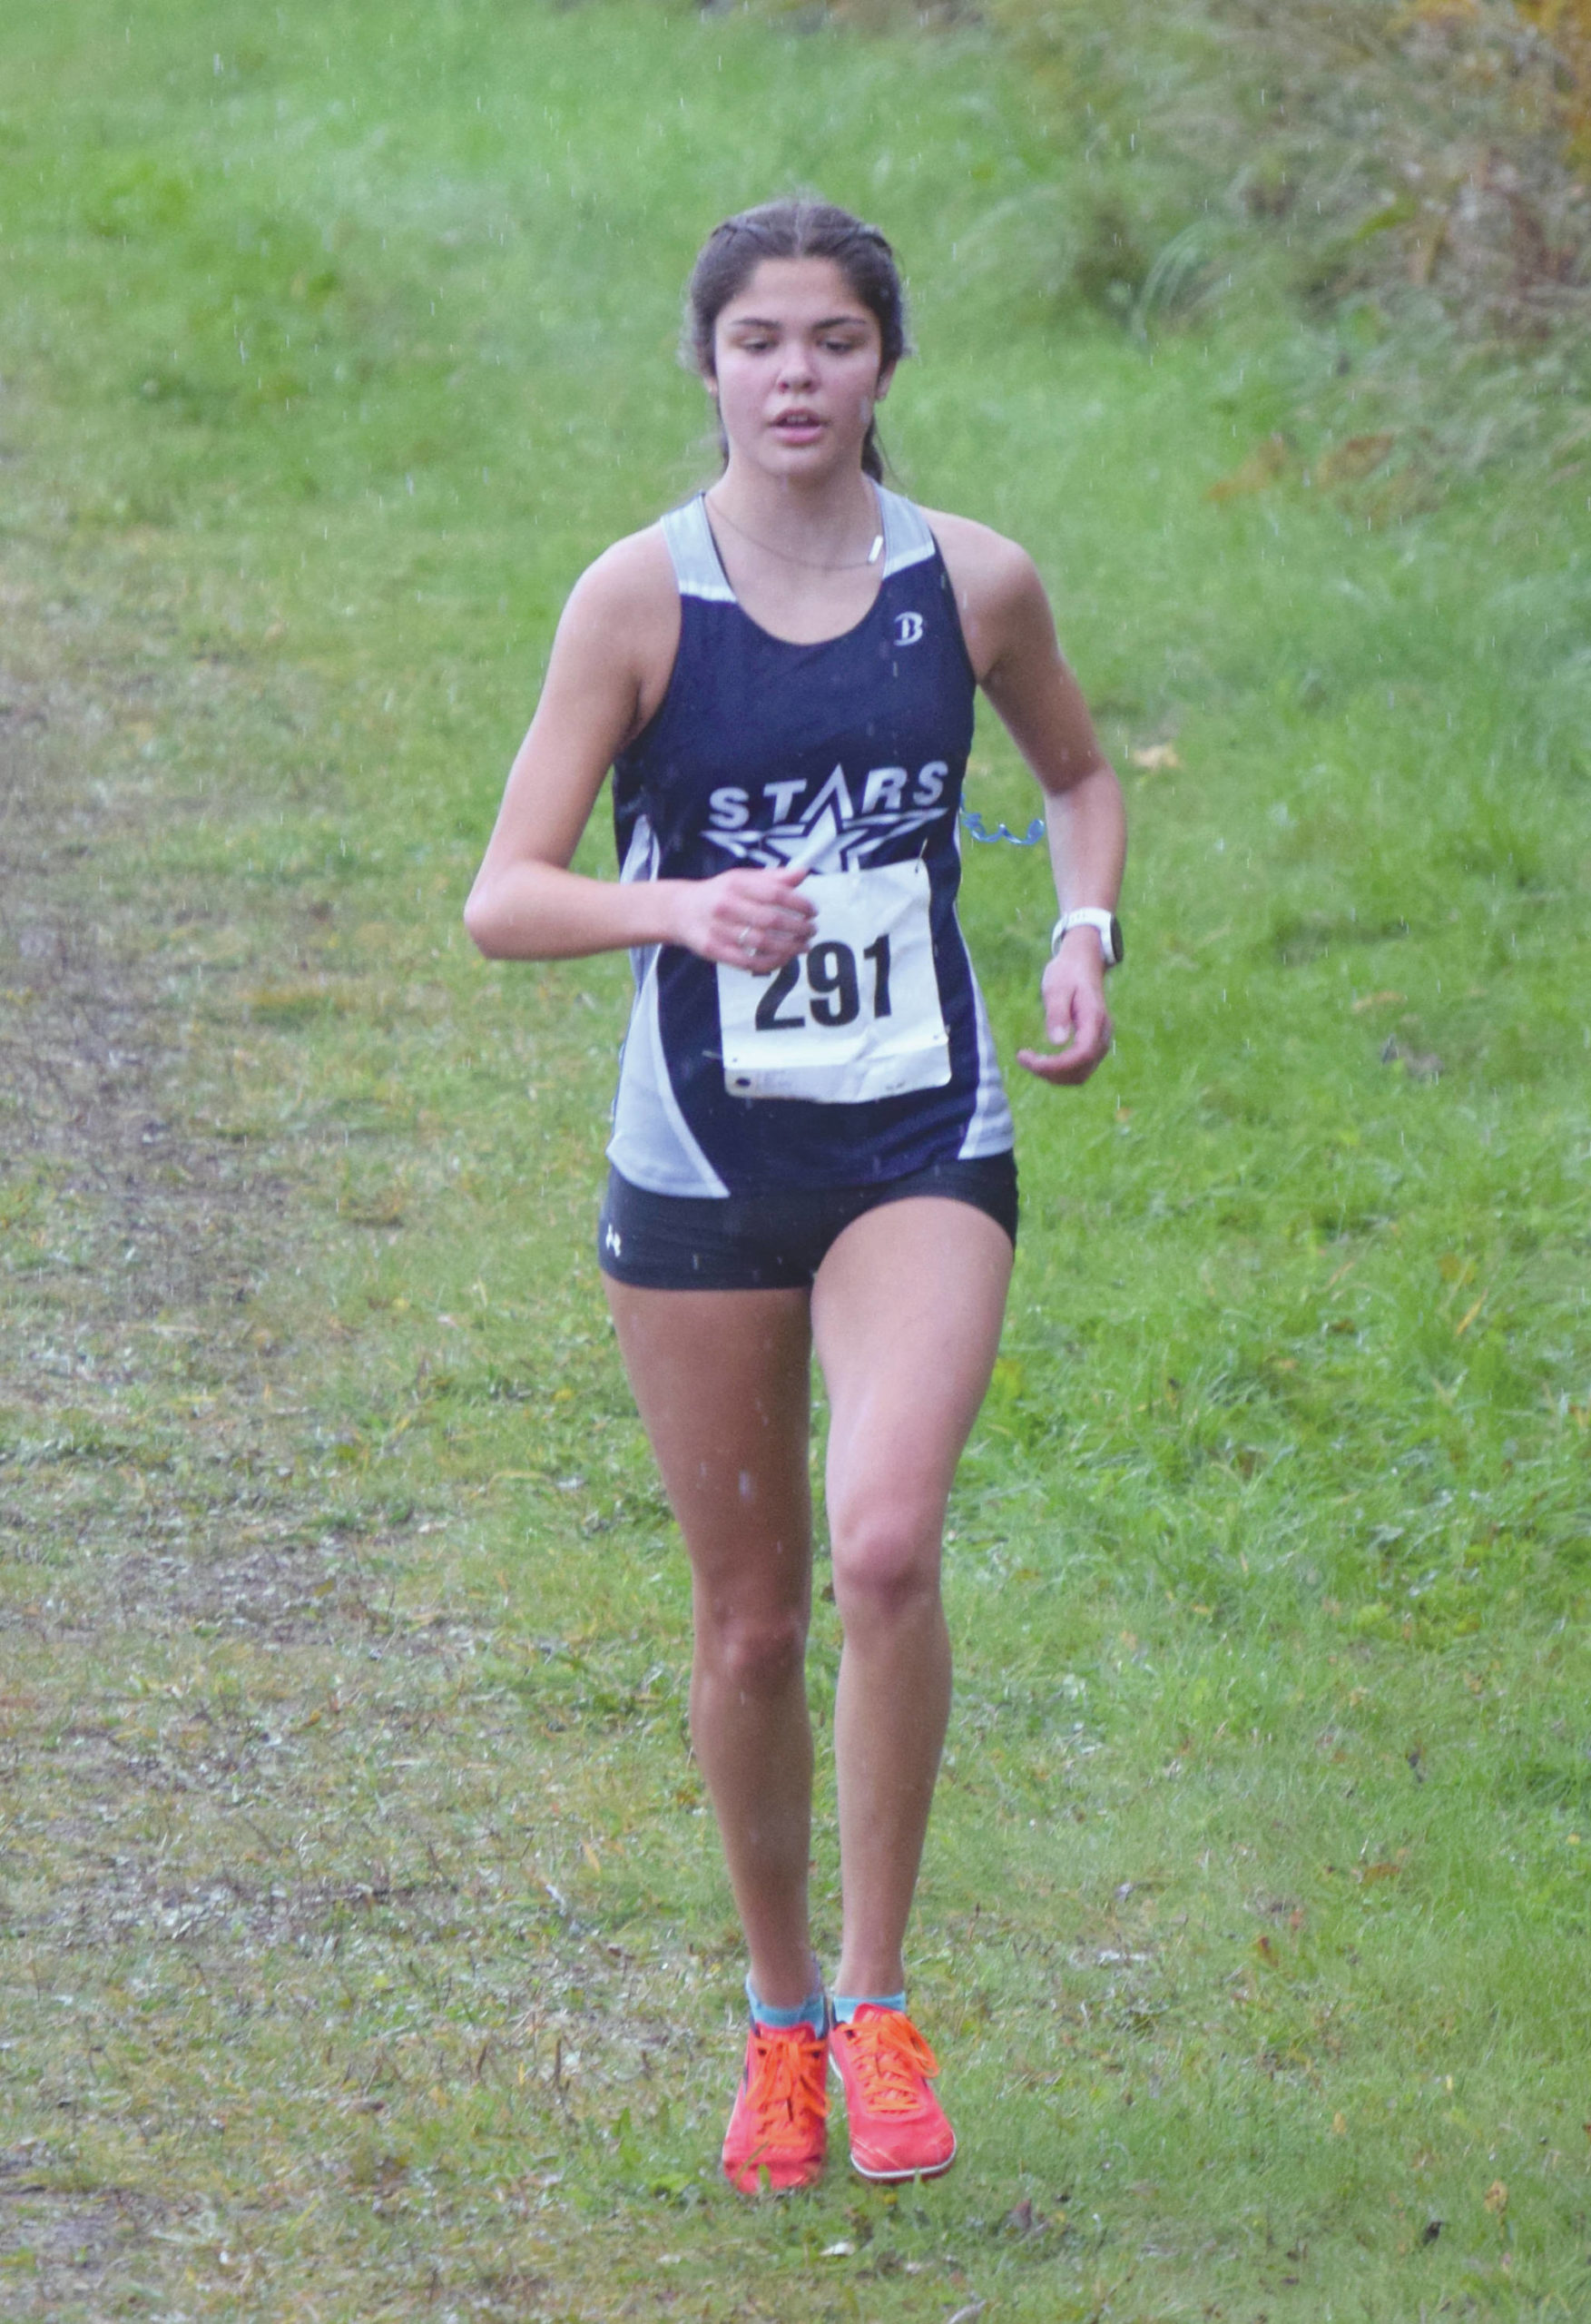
[785, 2075]
[891, 2059]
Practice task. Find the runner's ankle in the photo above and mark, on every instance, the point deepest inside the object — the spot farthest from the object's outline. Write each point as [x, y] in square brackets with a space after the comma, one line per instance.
[812, 2010]
[843, 2007]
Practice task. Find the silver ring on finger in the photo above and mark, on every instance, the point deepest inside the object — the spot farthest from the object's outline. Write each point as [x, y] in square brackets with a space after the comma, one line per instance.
[749, 943]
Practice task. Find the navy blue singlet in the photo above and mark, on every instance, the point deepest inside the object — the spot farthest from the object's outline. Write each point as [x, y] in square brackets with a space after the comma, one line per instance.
[845, 756]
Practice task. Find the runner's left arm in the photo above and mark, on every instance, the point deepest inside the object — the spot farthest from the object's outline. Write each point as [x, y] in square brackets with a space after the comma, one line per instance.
[1011, 637]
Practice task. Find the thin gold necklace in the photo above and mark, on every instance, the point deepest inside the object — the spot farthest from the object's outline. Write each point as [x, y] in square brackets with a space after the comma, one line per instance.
[847, 565]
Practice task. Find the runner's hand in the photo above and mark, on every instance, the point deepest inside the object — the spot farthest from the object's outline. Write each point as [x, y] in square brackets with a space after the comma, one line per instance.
[747, 920]
[1075, 1015]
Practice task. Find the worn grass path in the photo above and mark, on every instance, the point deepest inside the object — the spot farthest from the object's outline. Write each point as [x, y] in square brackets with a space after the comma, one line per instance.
[363, 1946]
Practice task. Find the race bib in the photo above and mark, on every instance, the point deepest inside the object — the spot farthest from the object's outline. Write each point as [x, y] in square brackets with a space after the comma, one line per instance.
[855, 1017]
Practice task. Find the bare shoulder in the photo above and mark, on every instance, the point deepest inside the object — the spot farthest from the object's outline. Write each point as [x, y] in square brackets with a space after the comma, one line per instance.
[621, 627]
[628, 582]
[998, 593]
[987, 559]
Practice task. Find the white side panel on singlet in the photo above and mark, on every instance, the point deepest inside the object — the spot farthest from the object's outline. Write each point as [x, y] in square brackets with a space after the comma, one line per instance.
[990, 1130]
[653, 1145]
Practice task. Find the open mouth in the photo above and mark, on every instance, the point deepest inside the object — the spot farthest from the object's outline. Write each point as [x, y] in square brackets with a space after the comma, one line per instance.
[800, 426]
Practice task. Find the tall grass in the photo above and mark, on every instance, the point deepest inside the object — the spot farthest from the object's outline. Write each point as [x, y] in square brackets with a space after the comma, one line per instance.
[1396, 184]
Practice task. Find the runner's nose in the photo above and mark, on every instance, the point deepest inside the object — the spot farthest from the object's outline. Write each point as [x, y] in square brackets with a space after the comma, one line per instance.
[796, 370]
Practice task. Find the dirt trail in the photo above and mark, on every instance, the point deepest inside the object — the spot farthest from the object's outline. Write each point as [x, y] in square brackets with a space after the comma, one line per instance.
[89, 1051]
[243, 1721]
[214, 1684]
[138, 1234]
[147, 1482]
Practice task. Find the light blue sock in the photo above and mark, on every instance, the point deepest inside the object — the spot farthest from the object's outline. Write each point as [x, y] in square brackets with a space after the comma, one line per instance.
[844, 2007]
[813, 2011]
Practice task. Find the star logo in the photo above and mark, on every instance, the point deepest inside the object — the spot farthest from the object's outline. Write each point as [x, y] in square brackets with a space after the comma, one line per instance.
[828, 834]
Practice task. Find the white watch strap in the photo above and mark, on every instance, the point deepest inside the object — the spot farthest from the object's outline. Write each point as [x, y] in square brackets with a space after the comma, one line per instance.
[1085, 916]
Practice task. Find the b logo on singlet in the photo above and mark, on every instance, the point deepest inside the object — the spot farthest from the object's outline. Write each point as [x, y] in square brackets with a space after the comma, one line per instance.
[908, 628]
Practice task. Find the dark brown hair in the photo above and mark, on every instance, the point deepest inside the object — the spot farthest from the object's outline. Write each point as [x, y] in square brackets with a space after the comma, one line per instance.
[799, 226]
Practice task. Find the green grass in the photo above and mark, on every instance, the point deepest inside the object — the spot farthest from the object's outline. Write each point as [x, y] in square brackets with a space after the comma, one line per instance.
[365, 1947]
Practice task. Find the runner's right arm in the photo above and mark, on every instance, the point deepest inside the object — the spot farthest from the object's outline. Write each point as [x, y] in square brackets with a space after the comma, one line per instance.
[608, 671]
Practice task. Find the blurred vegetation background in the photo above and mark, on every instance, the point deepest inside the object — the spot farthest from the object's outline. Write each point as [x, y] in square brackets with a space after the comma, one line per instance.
[1406, 182]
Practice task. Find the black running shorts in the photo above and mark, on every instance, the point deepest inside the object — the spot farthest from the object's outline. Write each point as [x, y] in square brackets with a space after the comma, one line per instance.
[775, 1241]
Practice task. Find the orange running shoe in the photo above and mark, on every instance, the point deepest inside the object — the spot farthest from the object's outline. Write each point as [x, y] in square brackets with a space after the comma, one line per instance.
[897, 2127]
[778, 2129]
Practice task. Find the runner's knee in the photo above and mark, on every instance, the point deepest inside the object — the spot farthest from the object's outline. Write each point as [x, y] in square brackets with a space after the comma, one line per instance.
[755, 1652]
[886, 1564]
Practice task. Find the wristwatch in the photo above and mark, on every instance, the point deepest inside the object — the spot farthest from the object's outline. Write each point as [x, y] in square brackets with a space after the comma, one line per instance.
[1091, 916]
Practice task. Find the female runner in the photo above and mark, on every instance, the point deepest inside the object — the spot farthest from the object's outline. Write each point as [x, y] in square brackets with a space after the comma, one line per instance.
[811, 1145]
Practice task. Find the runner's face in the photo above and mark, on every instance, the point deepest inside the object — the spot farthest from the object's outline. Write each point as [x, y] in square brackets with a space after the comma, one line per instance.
[797, 359]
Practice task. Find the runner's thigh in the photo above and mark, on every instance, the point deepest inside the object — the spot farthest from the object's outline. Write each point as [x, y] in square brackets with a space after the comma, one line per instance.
[723, 1381]
[905, 1312]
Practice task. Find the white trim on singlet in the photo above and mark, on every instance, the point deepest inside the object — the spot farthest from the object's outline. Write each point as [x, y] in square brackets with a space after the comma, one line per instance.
[906, 538]
[697, 569]
[652, 1143]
